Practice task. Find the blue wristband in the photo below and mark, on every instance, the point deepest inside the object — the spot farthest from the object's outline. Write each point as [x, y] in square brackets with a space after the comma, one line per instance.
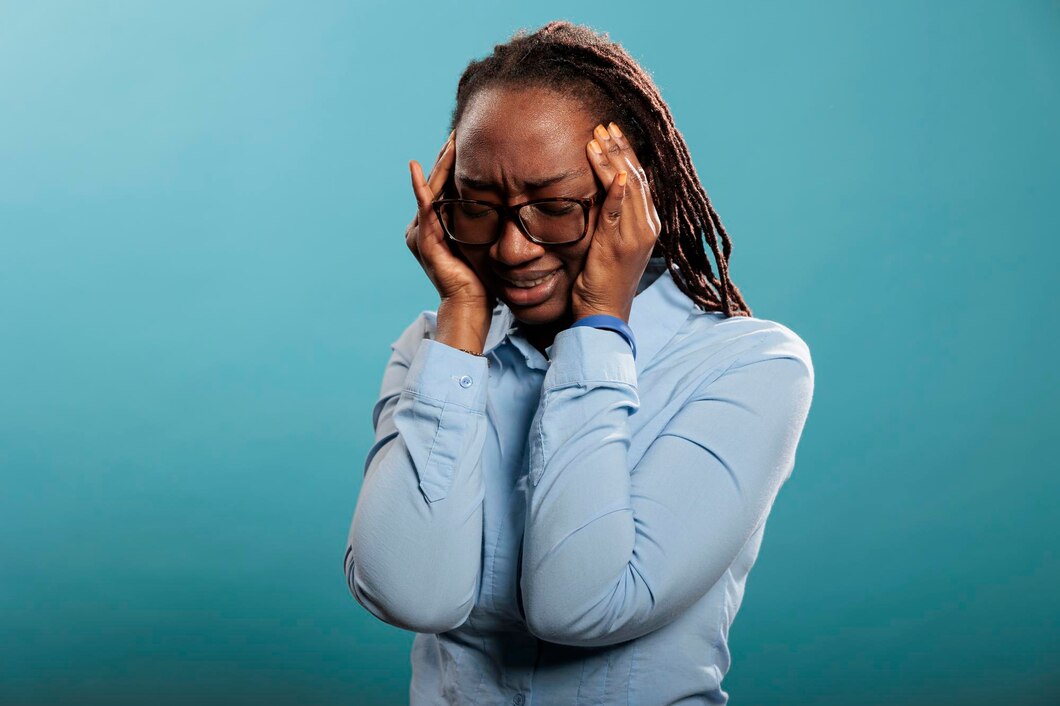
[611, 323]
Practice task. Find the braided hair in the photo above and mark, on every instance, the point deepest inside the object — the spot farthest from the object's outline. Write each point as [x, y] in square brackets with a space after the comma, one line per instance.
[574, 61]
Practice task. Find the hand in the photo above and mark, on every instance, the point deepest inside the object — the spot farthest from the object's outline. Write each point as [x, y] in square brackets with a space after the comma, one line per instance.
[466, 306]
[456, 282]
[625, 233]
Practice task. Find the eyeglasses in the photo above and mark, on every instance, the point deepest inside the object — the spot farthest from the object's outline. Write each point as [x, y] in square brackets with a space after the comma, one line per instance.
[552, 221]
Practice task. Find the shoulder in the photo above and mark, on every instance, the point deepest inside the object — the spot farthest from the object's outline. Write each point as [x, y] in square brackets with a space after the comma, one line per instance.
[726, 343]
[765, 337]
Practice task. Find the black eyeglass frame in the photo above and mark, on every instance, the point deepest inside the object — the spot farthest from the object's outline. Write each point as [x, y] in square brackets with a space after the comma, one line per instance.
[512, 213]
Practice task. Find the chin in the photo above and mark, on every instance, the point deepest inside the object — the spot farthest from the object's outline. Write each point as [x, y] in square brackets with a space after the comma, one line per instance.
[546, 312]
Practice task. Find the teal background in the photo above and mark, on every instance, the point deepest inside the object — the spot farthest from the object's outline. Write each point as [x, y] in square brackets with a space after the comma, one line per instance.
[202, 266]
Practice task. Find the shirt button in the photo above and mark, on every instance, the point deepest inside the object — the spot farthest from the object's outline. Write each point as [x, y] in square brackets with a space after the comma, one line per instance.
[518, 700]
[466, 381]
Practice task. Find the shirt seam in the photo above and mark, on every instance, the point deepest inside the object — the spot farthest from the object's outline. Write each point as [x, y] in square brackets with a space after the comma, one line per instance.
[443, 403]
[583, 383]
[428, 466]
[632, 669]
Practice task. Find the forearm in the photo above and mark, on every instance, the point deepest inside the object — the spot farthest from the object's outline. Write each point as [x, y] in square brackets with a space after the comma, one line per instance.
[615, 548]
[579, 533]
[414, 554]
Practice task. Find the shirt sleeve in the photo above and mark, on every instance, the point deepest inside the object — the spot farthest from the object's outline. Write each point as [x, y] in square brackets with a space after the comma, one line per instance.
[413, 556]
[612, 552]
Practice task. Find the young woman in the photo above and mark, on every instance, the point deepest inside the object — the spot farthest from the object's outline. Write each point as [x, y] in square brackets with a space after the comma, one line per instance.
[576, 453]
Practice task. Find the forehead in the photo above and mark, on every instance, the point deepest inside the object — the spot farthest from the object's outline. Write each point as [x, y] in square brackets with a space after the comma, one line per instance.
[509, 137]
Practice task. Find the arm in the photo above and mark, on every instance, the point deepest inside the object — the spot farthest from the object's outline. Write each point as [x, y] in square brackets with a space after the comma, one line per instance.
[612, 552]
[413, 558]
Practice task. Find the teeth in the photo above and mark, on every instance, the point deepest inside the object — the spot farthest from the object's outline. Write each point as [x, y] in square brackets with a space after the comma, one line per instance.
[533, 283]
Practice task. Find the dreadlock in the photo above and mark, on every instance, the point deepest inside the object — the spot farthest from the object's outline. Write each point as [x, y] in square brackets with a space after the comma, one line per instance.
[575, 61]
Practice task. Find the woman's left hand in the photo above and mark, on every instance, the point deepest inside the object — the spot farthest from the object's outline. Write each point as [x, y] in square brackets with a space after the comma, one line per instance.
[625, 234]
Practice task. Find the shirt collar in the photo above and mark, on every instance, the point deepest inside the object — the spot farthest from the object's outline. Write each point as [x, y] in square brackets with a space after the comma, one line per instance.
[655, 316]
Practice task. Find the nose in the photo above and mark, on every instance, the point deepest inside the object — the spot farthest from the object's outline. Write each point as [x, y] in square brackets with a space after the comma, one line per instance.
[512, 247]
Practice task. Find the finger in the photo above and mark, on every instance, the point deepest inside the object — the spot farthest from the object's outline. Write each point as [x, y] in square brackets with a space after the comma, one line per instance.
[441, 154]
[622, 146]
[444, 146]
[622, 155]
[603, 167]
[609, 159]
[419, 185]
[608, 171]
[647, 213]
[429, 232]
[411, 232]
[426, 221]
[610, 219]
[616, 155]
[440, 172]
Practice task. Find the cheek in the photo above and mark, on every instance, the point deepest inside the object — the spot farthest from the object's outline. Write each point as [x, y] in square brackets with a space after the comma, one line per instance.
[576, 260]
[475, 259]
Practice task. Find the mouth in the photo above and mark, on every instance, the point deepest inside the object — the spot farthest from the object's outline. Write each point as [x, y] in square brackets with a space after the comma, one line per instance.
[532, 292]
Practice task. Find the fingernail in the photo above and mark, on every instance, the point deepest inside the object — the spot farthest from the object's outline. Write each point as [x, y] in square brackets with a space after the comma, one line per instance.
[595, 146]
[601, 133]
[621, 178]
[614, 130]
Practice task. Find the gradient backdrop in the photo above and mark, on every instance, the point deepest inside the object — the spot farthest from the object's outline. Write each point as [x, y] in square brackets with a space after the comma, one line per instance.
[202, 265]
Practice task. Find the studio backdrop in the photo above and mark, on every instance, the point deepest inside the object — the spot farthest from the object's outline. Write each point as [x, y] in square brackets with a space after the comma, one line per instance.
[202, 267]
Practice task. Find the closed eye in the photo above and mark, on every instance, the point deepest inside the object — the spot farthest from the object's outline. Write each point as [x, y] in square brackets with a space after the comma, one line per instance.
[559, 209]
[474, 210]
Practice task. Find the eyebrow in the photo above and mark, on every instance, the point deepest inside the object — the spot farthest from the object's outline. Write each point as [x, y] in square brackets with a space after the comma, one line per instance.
[530, 184]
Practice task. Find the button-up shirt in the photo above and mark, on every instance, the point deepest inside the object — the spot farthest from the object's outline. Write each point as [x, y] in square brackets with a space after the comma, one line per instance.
[576, 526]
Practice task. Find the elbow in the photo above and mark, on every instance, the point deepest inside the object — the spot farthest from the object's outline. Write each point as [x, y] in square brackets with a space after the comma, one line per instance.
[607, 617]
[544, 626]
[547, 627]
[586, 629]
[420, 611]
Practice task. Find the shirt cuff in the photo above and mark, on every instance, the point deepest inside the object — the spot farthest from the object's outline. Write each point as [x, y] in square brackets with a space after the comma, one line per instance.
[584, 355]
[449, 375]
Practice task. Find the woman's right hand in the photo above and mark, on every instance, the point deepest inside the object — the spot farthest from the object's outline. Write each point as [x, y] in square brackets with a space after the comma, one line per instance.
[466, 306]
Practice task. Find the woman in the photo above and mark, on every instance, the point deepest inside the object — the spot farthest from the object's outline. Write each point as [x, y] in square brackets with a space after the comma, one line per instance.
[576, 453]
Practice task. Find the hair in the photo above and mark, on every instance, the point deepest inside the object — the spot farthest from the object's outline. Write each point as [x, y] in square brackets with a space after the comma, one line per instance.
[574, 61]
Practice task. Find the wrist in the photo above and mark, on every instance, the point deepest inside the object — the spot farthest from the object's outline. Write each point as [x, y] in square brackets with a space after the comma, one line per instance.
[583, 313]
[611, 323]
[463, 326]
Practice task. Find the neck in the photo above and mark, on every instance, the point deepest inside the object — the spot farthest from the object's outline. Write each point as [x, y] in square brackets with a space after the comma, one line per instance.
[541, 336]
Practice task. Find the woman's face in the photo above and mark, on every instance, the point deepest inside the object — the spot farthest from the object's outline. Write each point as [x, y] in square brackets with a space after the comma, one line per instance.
[508, 142]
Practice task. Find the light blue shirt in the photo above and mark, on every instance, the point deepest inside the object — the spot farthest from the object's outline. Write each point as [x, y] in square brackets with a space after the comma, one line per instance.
[576, 527]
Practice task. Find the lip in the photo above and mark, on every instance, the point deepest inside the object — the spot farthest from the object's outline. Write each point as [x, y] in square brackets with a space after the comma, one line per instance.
[528, 276]
[522, 296]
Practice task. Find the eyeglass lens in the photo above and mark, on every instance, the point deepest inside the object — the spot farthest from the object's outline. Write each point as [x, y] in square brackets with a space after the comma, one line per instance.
[550, 222]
